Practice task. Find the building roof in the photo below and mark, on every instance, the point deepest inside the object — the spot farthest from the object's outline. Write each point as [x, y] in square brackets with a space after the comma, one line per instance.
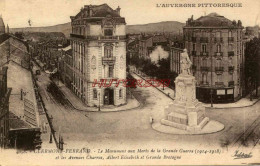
[3, 37]
[98, 12]
[16, 123]
[103, 10]
[212, 20]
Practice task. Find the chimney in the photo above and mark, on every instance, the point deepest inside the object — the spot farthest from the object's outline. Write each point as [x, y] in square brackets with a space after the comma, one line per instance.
[118, 10]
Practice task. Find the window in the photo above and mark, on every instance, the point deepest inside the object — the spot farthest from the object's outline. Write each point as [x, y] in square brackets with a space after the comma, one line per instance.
[108, 51]
[94, 93]
[120, 93]
[218, 34]
[218, 48]
[204, 62]
[218, 63]
[204, 48]
[230, 47]
[108, 32]
[110, 71]
[229, 33]
[194, 47]
[204, 78]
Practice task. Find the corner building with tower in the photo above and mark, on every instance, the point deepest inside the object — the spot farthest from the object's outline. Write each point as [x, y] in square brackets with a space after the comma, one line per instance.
[98, 42]
[216, 49]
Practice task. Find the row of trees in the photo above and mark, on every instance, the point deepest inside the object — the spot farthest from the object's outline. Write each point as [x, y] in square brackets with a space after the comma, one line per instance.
[159, 71]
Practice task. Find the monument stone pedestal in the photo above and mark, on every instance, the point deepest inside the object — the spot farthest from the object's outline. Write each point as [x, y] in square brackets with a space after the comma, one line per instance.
[186, 112]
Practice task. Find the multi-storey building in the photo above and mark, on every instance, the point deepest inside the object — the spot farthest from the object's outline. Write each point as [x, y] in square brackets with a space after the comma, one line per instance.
[98, 43]
[215, 45]
[176, 49]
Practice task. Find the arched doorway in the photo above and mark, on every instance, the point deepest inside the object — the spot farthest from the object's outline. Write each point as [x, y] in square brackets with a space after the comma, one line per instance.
[109, 96]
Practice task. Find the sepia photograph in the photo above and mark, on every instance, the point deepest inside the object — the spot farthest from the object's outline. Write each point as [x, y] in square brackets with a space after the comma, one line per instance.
[129, 82]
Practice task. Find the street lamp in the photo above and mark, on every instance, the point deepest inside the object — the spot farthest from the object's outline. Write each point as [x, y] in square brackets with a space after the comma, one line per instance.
[99, 101]
[211, 99]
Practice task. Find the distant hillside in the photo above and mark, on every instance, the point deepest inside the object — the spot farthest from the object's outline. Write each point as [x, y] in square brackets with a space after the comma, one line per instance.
[167, 26]
[64, 28]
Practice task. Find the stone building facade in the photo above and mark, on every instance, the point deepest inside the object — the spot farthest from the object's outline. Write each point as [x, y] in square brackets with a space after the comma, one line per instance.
[98, 43]
[175, 52]
[216, 49]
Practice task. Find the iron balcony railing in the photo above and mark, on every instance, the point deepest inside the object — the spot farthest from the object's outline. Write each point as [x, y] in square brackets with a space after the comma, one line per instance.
[108, 60]
[204, 54]
[231, 53]
[204, 40]
[218, 39]
[204, 68]
[119, 37]
[230, 39]
[194, 39]
[218, 54]
[231, 83]
[219, 84]
[231, 69]
[219, 69]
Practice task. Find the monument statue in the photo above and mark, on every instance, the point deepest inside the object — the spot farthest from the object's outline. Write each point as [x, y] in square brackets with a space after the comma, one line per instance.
[185, 63]
[186, 114]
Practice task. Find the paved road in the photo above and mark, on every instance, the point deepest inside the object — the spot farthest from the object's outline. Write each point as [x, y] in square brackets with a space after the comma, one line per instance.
[132, 128]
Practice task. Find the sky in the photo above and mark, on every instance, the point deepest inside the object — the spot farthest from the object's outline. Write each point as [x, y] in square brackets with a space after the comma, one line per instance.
[16, 13]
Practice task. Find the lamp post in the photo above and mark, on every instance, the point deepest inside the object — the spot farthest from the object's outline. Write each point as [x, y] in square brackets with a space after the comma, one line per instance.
[99, 101]
[211, 99]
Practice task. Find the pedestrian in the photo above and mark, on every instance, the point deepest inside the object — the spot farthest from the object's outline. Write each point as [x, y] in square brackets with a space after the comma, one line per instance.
[151, 119]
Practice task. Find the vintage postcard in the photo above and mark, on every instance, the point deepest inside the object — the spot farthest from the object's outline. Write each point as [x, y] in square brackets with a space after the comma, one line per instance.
[129, 82]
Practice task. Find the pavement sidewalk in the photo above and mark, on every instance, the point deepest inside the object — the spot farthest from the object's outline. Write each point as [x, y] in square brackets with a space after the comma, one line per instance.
[79, 105]
[244, 102]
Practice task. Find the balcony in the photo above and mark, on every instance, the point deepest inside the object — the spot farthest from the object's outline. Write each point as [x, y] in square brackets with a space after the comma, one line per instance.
[231, 69]
[205, 54]
[219, 70]
[77, 36]
[194, 39]
[193, 53]
[205, 69]
[218, 55]
[121, 37]
[231, 53]
[108, 60]
[204, 84]
[204, 40]
[219, 84]
[218, 39]
[112, 37]
[231, 83]
[230, 39]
